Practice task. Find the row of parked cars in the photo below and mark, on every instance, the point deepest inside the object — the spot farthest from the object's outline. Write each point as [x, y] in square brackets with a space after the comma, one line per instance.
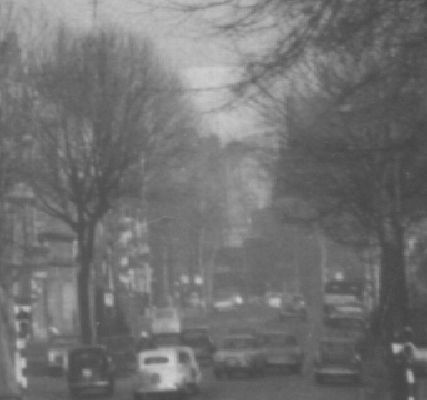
[173, 363]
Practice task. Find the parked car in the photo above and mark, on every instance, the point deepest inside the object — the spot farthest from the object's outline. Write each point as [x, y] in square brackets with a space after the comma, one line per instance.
[57, 353]
[168, 370]
[353, 327]
[199, 340]
[91, 369]
[293, 308]
[337, 358]
[239, 353]
[227, 302]
[283, 351]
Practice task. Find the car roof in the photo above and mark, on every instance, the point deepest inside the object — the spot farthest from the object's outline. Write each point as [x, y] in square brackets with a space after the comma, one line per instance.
[166, 349]
[337, 339]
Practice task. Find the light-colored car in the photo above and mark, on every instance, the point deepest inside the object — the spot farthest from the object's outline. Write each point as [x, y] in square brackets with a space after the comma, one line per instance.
[283, 351]
[167, 370]
[337, 359]
[239, 353]
[57, 353]
[227, 302]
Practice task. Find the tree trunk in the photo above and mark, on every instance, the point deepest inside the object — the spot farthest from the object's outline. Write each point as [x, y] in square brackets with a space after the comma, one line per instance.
[8, 382]
[85, 245]
[393, 295]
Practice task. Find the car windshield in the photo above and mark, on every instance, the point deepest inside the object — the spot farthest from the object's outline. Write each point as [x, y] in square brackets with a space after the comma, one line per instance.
[278, 340]
[154, 360]
[335, 351]
[239, 343]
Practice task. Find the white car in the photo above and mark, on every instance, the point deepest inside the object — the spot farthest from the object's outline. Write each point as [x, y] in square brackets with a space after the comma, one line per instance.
[228, 303]
[167, 370]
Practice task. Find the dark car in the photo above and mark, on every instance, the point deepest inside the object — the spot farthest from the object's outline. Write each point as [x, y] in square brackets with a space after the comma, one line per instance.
[283, 351]
[293, 308]
[237, 354]
[337, 359]
[200, 341]
[351, 327]
[90, 369]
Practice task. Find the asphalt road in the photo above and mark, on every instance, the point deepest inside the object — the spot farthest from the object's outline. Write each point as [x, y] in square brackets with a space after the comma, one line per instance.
[270, 387]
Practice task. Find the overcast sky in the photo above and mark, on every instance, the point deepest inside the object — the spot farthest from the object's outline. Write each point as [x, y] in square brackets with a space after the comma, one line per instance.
[204, 61]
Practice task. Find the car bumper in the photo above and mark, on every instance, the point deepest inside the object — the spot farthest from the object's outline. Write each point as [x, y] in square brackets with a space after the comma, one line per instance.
[89, 385]
[335, 372]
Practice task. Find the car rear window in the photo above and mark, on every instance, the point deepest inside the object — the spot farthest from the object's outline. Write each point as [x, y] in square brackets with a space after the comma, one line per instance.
[153, 360]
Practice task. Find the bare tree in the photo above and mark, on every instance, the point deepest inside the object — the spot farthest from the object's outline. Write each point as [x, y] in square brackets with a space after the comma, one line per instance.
[107, 113]
[359, 166]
